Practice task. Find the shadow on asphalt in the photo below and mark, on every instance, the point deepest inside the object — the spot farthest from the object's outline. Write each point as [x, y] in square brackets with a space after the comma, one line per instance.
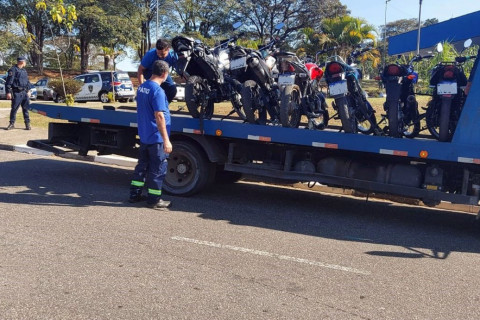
[424, 232]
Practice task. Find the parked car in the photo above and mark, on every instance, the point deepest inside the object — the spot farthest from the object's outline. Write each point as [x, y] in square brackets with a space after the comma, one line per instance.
[3, 93]
[3, 90]
[43, 90]
[97, 85]
[33, 92]
[180, 96]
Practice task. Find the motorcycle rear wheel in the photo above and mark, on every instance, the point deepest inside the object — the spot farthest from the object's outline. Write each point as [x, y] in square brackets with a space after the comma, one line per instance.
[393, 119]
[347, 117]
[196, 98]
[251, 97]
[290, 106]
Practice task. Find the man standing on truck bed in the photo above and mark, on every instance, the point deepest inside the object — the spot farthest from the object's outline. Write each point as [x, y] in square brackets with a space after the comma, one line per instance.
[153, 129]
[17, 87]
[163, 52]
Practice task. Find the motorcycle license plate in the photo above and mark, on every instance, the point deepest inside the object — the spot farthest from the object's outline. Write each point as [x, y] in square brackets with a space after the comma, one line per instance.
[238, 63]
[447, 88]
[338, 88]
[286, 79]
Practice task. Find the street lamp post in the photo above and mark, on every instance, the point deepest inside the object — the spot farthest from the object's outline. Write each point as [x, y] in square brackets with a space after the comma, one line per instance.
[385, 35]
[419, 27]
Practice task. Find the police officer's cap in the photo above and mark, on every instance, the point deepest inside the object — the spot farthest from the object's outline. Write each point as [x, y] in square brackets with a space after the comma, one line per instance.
[21, 59]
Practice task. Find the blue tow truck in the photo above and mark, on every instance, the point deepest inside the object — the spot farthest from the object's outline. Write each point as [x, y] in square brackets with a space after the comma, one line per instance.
[206, 150]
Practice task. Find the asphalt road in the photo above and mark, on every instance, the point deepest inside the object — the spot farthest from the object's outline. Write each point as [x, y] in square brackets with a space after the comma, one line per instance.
[72, 248]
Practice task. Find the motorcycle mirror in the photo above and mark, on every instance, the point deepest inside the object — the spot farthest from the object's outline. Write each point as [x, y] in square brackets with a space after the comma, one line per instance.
[279, 26]
[237, 25]
[467, 43]
[439, 47]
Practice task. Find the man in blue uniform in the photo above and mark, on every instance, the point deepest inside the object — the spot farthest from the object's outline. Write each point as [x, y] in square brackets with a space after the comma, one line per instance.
[153, 129]
[17, 87]
[162, 52]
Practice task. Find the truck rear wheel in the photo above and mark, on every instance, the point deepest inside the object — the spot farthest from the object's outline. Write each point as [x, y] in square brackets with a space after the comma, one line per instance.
[189, 170]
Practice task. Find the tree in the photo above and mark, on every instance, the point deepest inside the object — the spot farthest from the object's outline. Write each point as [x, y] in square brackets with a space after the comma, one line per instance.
[33, 26]
[346, 33]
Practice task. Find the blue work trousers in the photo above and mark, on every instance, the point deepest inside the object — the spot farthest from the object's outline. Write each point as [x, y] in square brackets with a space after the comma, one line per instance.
[150, 172]
[20, 99]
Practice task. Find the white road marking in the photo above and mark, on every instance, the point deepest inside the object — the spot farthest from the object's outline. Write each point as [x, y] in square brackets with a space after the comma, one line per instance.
[272, 255]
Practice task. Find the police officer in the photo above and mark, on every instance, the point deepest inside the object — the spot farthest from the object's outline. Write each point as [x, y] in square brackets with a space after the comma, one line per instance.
[17, 87]
[153, 129]
[163, 52]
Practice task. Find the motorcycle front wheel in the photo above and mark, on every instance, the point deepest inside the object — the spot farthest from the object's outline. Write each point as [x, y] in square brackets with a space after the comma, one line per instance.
[251, 96]
[196, 98]
[411, 125]
[366, 123]
[290, 106]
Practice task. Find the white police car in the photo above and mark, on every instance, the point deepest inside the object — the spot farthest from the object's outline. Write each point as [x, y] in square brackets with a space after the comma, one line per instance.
[3, 93]
[97, 86]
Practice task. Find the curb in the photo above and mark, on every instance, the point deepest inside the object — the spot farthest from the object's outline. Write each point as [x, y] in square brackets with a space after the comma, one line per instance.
[106, 159]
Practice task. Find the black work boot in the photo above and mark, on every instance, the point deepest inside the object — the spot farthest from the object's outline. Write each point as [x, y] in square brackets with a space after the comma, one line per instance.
[10, 126]
[27, 126]
[161, 204]
[136, 195]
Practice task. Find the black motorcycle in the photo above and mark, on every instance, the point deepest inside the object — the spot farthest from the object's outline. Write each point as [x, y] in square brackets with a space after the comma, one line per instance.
[299, 92]
[260, 92]
[401, 105]
[207, 80]
[448, 81]
[351, 102]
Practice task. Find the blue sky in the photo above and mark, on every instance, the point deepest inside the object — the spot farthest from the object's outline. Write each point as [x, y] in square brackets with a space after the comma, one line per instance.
[374, 12]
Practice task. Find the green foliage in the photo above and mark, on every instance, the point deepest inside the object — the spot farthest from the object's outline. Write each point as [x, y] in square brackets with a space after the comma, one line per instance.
[72, 86]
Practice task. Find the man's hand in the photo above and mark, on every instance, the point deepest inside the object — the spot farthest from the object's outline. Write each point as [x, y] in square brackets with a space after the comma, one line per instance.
[167, 146]
[9, 96]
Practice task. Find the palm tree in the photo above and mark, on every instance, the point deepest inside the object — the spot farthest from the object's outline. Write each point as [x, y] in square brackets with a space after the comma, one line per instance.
[346, 33]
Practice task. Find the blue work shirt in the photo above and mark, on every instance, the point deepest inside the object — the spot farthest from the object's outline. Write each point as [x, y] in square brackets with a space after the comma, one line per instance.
[151, 98]
[151, 56]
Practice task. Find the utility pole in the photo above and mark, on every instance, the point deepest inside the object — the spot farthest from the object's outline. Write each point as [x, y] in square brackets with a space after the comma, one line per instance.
[156, 24]
[385, 35]
[419, 27]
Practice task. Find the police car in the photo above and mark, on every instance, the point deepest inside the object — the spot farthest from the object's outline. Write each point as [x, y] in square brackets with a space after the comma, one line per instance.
[97, 86]
[3, 93]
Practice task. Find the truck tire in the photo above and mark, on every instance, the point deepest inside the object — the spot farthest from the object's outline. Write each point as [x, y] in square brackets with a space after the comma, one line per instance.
[189, 170]
[196, 97]
[250, 98]
[290, 106]
[393, 121]
[349, 124]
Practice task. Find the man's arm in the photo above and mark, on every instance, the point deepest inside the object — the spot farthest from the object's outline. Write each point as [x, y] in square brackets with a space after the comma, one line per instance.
[140, 77]
[9, 83]
[162, 128]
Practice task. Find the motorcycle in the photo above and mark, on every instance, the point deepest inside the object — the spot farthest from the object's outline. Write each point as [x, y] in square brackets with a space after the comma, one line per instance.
[448, 81]
[260, 93]
[206, 74]
[401, 105]
[299, 92]
[351, 102]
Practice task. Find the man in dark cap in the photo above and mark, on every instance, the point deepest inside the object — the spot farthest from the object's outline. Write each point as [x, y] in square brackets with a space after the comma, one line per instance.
[163, 52]
[17, 88]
